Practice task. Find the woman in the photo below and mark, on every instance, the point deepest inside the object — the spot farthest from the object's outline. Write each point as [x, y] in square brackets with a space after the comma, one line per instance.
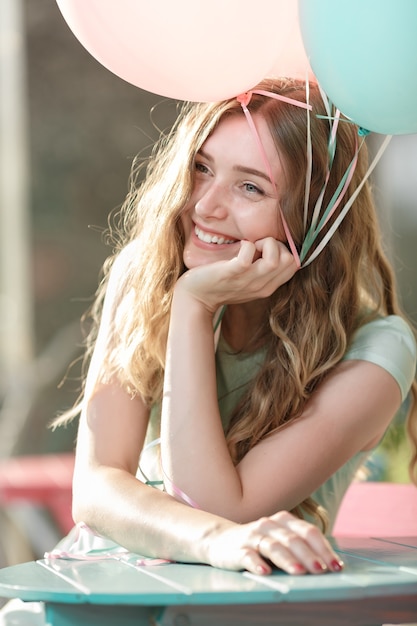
[248, 351]
[246, 367]
[267, 378]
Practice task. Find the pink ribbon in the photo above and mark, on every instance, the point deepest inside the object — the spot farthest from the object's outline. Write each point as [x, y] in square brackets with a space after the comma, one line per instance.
[244, 100]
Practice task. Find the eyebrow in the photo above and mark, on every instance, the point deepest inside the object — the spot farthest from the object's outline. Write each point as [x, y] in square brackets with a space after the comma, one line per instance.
[240, 168]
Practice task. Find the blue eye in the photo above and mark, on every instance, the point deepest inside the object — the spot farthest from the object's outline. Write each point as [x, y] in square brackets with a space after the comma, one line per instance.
[251, 188]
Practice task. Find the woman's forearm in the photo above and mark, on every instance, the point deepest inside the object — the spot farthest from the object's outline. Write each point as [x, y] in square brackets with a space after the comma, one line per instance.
[141, 518]
[195, 457]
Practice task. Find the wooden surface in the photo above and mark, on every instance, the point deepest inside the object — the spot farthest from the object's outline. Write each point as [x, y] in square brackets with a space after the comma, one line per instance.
[378, 585]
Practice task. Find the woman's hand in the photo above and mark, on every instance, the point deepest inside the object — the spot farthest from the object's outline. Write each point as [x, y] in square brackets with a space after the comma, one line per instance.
[256, 272]
[282, 540]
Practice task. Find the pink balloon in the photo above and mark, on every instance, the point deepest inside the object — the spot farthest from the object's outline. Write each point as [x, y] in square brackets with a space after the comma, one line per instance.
[184, 49]
[291, 58]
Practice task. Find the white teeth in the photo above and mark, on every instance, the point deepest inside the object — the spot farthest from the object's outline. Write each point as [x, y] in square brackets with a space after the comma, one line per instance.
[203, 236]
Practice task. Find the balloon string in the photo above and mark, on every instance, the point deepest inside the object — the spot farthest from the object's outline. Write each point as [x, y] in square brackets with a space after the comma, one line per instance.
[337, 197]
[309, 165]
[331, 149]
[351, 200]
[277, 96]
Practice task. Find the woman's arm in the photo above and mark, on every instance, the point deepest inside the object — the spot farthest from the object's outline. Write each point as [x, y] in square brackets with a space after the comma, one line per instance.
[348, 413]
[111, 500]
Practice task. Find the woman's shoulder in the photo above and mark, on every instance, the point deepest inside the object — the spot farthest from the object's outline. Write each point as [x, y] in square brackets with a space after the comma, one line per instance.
[389, 342]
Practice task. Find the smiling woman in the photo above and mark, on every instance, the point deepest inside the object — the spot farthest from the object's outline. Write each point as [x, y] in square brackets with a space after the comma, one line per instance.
[233, 199]
[206, 236]
[216, 362]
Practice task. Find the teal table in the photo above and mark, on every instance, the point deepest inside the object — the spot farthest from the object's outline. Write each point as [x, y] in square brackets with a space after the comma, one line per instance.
[378, 585]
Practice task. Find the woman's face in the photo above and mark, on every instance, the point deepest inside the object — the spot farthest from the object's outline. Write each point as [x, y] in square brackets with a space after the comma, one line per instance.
[233, 197]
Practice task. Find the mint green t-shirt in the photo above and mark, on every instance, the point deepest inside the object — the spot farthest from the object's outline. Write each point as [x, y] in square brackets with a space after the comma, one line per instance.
[387, 342]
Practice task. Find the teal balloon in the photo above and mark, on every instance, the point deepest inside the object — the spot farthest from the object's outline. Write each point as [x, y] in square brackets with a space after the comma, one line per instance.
[364, 55]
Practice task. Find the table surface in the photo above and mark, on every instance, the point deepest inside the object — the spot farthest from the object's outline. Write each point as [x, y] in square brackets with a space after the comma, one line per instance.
[379, 573]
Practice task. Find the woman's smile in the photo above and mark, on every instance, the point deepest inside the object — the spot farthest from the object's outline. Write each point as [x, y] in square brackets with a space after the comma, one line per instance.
[212, 238]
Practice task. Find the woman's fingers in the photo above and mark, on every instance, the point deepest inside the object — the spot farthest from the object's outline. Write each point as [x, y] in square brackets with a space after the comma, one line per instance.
[268, 552]
[282, 541]
[276, 256]
[247, 254]
[256, 272]
[263, 267]
[295, 546]
[316, 542]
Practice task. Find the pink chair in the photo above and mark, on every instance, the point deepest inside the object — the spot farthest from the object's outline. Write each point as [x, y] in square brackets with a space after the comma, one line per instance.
[44, 480]
[378, 509]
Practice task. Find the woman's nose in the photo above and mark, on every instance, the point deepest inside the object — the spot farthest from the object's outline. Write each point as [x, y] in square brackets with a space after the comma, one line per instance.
[212, 202]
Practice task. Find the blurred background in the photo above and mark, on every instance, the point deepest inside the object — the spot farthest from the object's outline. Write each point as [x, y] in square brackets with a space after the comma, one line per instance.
[69, 131]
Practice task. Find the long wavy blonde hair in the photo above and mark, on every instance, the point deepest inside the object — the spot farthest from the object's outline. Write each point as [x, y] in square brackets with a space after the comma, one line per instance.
[310, 320]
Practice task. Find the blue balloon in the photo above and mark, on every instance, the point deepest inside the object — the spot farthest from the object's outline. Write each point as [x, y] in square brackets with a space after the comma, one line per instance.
[364, 55]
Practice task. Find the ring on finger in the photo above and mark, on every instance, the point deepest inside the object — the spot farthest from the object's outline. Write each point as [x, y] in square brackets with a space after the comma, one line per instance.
[258, 542]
